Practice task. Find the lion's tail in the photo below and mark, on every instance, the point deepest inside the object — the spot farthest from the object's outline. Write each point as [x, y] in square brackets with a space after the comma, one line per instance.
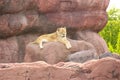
[34, 42]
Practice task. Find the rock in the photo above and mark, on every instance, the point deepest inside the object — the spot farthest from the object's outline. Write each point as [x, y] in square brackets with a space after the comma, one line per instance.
[13, 49]
[109, 54]
[95, 39]
[83, 20]
[103, 69]
[21, 23]
[9, 50]
[116, 55]
[22, 41]
[77, 14]
[71, 5]
[83, 56]
[22, 16]
[19, 18]
[15, 6]
[54, 52]
[12, 24]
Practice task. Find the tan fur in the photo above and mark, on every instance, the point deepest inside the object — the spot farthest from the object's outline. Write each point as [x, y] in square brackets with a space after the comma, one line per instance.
[59, 35]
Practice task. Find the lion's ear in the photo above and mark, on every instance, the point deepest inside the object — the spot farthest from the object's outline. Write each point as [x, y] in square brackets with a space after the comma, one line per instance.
[58, 29]
[63, 27]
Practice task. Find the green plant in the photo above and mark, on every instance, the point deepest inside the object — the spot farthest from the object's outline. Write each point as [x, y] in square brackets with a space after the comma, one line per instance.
[111, 32]
[114, 14]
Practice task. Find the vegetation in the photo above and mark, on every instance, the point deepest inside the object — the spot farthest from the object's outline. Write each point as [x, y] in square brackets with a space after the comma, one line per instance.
[111, 32]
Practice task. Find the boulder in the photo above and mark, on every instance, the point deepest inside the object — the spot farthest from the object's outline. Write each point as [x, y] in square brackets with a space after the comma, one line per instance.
[21, 23]
[109, 54]
[9, 50]
[54, 52]
[14, 6]
[95, 39]
[22, 41]
[13, 49]
[83, 56]
[103, 69]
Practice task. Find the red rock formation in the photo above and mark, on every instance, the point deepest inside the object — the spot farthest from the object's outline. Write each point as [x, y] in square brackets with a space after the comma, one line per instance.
[82, 15]
[93, 38]
[13, 49]
[104, 69]
[9, 50]
[21, 21]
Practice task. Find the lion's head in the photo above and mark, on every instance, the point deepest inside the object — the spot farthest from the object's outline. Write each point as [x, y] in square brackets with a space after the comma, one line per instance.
[61, 32]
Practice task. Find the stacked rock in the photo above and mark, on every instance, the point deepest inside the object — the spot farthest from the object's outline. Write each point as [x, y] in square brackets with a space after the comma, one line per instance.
[22, 21]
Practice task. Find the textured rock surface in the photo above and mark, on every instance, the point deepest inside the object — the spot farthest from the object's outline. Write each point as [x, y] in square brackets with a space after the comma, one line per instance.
[18, 16]
[103, 69]
[95, 39]
[14, 6]
[108, 54]
[9, 50]
[13, 49]
[21, 21]
[55, 52]
[83, 56]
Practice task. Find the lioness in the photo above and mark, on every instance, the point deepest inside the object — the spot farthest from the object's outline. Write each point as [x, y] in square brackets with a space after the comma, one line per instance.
[59, 35]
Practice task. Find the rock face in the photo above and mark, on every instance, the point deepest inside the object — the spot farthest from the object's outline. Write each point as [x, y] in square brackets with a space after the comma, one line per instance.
[8, 50]
[94, 39]
[83, 56]
[103, 69]
[13, 49]
[19, 16]
[22, 21]
[108, 54]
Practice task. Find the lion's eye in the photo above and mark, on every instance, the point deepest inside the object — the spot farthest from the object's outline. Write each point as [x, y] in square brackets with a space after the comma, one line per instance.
[63, 35]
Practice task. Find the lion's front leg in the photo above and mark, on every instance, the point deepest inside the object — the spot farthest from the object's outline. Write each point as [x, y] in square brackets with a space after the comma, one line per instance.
[66, 43]
[41, 45]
